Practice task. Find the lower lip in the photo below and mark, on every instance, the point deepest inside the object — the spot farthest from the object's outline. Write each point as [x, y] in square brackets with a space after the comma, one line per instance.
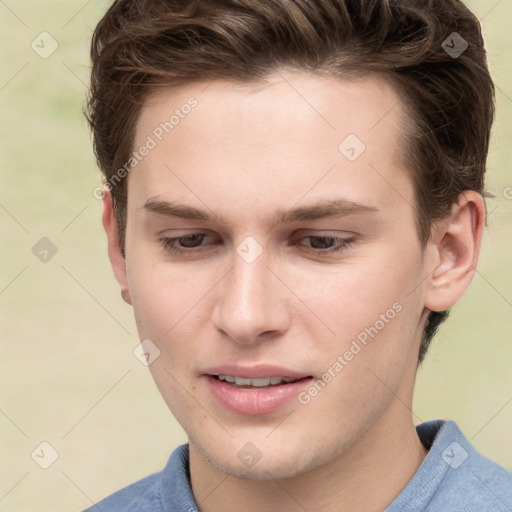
[254, 401]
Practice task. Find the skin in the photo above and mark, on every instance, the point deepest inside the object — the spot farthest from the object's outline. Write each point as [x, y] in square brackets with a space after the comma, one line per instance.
[244, 154]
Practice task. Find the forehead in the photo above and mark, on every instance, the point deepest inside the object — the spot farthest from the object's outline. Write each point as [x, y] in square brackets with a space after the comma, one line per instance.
[283, 100]
[291, 134]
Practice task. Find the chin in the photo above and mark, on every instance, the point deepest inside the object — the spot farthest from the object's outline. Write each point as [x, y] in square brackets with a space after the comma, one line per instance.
[274, 466]
[270, 470]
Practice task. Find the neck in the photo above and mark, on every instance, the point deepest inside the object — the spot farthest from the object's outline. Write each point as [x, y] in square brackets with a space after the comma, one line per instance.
[367, 477]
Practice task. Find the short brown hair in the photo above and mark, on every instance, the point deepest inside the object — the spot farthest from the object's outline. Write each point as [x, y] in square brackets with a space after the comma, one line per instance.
[140, 44]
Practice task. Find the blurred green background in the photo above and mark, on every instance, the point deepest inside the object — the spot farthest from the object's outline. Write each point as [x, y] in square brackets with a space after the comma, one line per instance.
[69, 376]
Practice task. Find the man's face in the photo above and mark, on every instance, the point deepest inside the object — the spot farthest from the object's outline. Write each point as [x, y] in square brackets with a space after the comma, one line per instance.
[266, 277]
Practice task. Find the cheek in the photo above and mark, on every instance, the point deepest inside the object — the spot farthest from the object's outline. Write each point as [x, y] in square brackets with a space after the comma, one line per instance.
[354, 296]
[168, 309]
[166, 298]
[373, 309]
[374, 317]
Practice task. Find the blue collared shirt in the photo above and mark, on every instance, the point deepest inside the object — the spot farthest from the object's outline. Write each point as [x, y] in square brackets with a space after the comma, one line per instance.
[452, 477]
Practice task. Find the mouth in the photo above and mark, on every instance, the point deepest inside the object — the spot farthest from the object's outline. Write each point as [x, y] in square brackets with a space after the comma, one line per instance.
[256, 395]
[266, 382]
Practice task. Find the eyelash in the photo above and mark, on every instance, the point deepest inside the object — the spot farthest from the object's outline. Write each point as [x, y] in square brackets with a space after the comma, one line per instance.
[344, 243]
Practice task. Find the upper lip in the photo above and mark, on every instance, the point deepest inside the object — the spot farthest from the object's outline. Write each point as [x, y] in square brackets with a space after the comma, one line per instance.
[259, 371]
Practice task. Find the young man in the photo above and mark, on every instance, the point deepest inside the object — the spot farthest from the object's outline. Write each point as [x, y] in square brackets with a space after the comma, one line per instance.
[293, 201]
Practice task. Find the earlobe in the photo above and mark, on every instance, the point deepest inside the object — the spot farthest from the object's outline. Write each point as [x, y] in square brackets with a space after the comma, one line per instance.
[455, 246]
[125, 294]
[115, 254]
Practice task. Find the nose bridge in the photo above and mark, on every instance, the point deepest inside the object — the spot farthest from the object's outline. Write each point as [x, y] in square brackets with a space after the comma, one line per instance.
[249, 303]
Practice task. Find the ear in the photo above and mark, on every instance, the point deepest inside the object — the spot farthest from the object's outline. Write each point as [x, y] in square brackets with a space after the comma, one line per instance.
[115, 253]
[453, 251]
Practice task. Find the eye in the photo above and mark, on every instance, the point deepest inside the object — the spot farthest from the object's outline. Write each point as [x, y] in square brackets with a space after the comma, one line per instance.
[183, 244]
[324, 244]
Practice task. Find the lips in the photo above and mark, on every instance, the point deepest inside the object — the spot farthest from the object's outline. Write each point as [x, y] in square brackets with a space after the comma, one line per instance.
[254, 390]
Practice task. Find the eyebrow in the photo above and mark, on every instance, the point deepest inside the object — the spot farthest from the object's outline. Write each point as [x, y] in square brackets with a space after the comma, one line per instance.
[320, 210]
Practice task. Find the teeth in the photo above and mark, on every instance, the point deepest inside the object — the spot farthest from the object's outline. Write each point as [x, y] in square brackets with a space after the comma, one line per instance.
[259, 383]
[256, 382]
[239, 381]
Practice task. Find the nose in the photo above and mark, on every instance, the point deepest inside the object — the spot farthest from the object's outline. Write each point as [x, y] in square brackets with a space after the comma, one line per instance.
[252, 303]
